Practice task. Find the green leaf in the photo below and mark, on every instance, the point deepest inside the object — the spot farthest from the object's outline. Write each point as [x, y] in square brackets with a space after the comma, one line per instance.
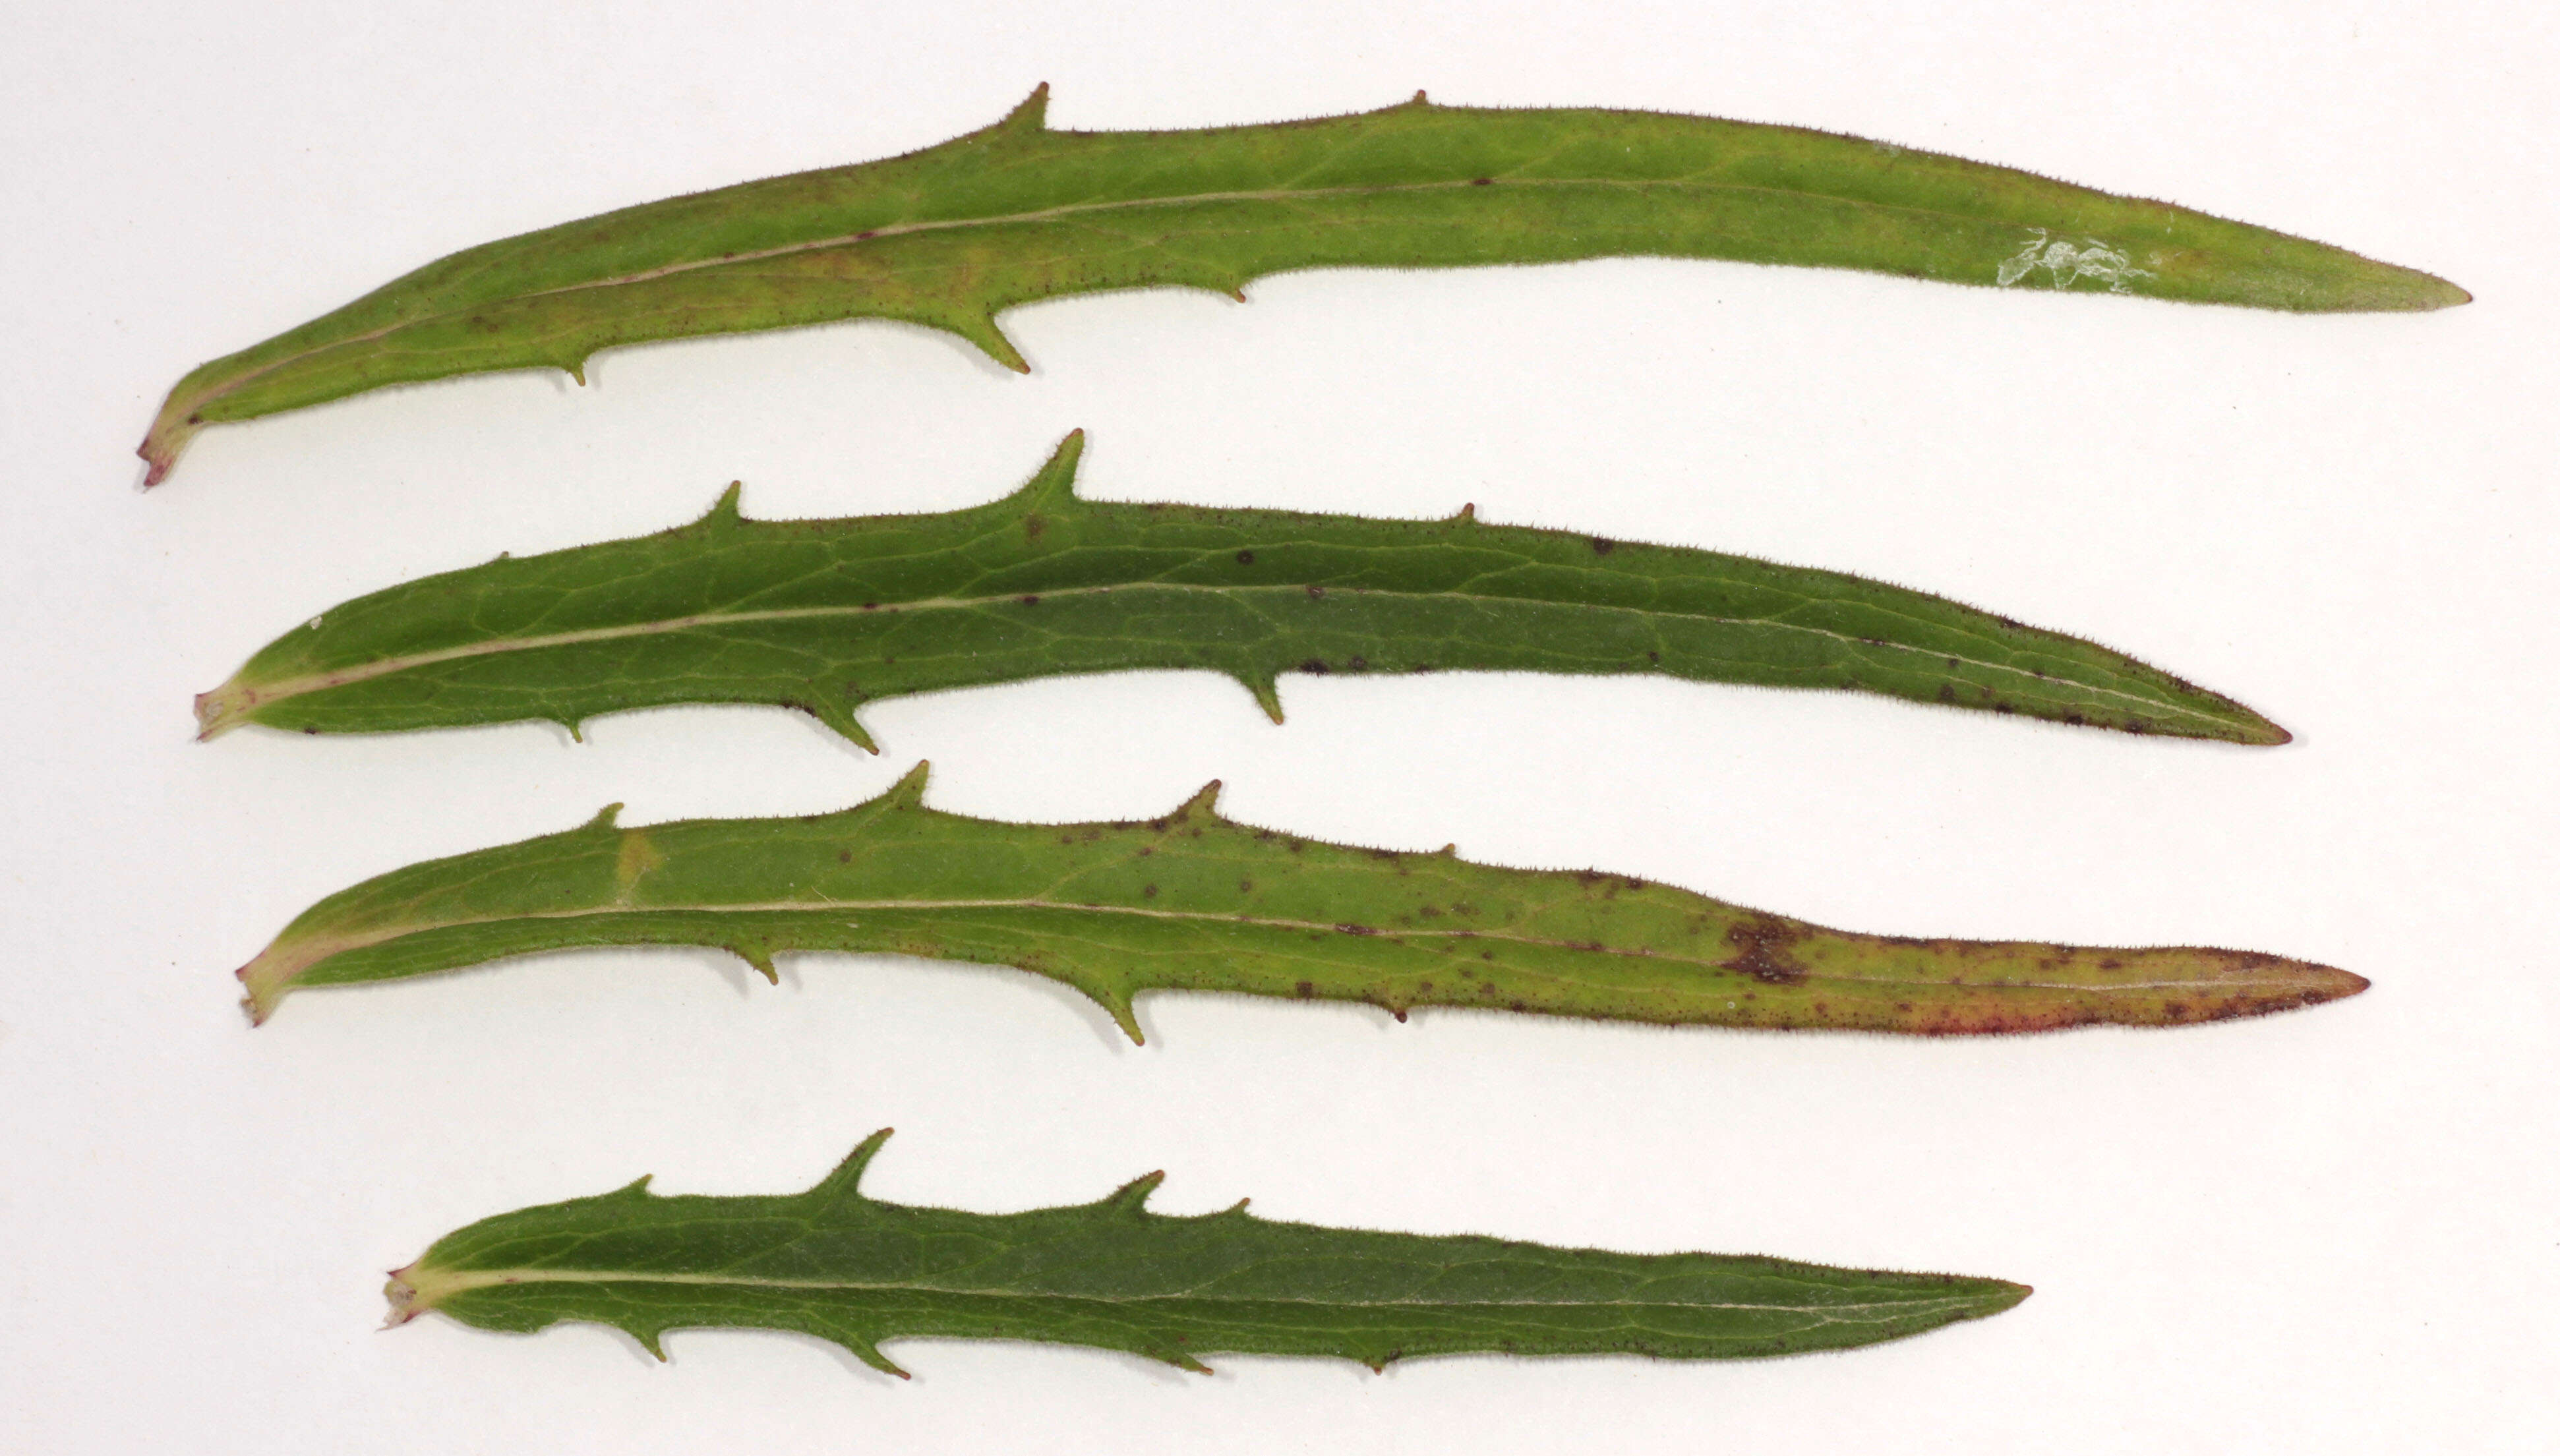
[951, 235]
[832, 1263]
[826, 615]
[1195, 901]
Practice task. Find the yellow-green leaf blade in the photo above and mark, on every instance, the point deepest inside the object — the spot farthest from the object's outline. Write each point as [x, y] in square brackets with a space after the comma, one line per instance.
[951, 235]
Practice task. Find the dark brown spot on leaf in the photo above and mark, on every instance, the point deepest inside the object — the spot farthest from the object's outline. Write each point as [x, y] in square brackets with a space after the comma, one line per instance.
[1763, 943]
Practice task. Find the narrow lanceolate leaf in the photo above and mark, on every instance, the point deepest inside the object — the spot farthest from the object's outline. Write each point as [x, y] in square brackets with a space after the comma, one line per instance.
[826, 615]
[1195, 901]
[833, 1263]
[953, 235]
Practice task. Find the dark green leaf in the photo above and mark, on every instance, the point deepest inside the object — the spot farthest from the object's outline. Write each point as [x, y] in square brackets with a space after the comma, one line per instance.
[832, 1263]
[826, 615]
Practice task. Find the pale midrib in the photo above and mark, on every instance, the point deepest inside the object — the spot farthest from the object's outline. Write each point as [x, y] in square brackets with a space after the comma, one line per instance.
[241, 699]
[445, 1285]
[343, 945]
[1044, 214]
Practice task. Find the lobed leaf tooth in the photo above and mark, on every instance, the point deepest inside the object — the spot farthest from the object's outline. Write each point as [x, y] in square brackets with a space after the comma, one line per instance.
[844, 1180]
[1117, 1005]
[723, 516]
[869, 1355]
[1029, 115]
[908, 791]
[1050, 491]
[838, 716]
[1131, 1196]
[1203, 803]
[980, 329]
[1265, 688]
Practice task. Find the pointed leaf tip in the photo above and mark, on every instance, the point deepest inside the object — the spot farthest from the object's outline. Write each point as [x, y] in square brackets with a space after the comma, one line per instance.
[1115, 1003]
[840, 718]
[1265, 688]
[1131, 1196]
[979, 328]
[868, 1354]
[1031, 115]
[908, 791]
[1052, 488]
[604, 817]
[725, 511]
[1203, 803]
[847, 1179]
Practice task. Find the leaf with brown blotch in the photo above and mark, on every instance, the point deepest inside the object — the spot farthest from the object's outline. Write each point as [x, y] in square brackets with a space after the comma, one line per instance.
[1195, 901]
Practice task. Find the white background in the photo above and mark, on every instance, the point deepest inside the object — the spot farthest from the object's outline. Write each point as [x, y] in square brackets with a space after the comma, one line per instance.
[2330, 1231]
